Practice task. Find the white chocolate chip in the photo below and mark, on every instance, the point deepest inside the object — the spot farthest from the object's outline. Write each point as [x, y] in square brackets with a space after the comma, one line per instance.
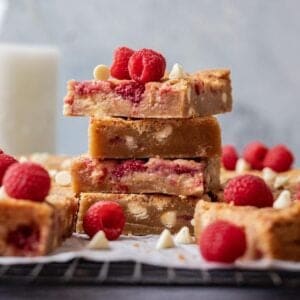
[242, 166]
[164, 133]
[284, 200]
[268, 175]
[165, 240]
[130, 142]
[183, 236]
[177, 72]
[101, 72]
[193, 222]
[224, 98]
[3, 194]
[66, 164]
[63, 178]
[138, 211]
[191, 112]
[23, 159]
[168, 219]
[52, 173]
[280, 181]
[99, 241]
[39, 158]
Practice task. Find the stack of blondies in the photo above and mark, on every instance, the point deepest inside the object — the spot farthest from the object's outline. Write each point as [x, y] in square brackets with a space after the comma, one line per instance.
[154, 148]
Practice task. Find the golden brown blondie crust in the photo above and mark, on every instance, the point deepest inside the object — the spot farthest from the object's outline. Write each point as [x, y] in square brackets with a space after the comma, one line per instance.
[271, 233]
[145, 214]
[201, 94]
[26, 228]
[29, 228]
[167, 138]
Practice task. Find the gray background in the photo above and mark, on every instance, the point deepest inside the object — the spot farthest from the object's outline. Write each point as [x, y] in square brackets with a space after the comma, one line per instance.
[257, 39]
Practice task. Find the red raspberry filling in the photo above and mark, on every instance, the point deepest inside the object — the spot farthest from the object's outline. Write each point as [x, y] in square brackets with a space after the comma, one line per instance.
[177, 169]
[279, 158]
[146, 65]
[107, 216]
[248, 190]
[119, 68]
[89, 88]
[229, 157]
[222, 242]
[254, 154]
[131, 90]
[128, 166]
[25, 238]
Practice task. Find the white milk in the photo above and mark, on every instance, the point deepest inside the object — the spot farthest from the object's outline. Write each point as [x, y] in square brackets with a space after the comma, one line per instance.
[28, 98]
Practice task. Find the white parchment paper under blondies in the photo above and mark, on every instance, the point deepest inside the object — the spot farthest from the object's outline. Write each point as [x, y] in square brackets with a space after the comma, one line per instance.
[142, 249]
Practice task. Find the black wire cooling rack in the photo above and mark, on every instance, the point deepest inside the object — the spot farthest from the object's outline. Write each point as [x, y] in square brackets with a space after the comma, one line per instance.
[83, 272]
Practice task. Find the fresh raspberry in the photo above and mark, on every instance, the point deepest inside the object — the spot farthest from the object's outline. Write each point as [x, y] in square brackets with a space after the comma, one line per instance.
[248, 190]
[119, 68]
[5, 162]
[223, 242]
[229, 157]
[146, 65]
[254, 154]
[27, 181]
[25, 238]
[279, 158]
[1, 151]
[131, 90]
[107, 216]
[128, 166]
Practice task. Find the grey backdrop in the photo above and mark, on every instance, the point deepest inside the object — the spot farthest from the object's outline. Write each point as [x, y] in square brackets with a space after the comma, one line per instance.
[257, 39]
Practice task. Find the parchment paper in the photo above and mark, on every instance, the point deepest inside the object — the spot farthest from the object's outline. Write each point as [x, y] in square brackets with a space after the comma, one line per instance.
[142, 249]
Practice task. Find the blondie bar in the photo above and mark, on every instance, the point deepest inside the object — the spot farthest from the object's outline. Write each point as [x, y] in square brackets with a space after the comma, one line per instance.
[168, 138]
[29, 228]
[154, 175]
[145, 214]
[201, 94]
[271, 233]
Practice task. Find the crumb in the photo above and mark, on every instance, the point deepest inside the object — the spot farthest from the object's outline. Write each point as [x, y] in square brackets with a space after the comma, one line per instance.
[181, 257]
[137, 245]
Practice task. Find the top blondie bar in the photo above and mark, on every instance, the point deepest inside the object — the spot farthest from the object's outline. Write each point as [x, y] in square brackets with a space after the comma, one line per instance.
[138, 86]
[201, 94]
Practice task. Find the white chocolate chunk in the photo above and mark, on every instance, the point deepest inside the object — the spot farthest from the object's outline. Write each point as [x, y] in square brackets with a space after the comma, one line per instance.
[39, 158]
[101, 72]
[280, 181]
[242, 166]
[66, 164]
[169, 218]
[177, 72]
[224, 98]
[165, 240]
[268, 175]
[3, 194]
[63, 178]
[98, 242]
[130, 142]
[284, 200]
[164, 133]
[139, 212]
[23, 159]
[184, 236]
[52, 173]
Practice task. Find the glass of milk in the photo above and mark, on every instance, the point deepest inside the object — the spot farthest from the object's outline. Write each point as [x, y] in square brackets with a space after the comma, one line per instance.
[28, 98]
